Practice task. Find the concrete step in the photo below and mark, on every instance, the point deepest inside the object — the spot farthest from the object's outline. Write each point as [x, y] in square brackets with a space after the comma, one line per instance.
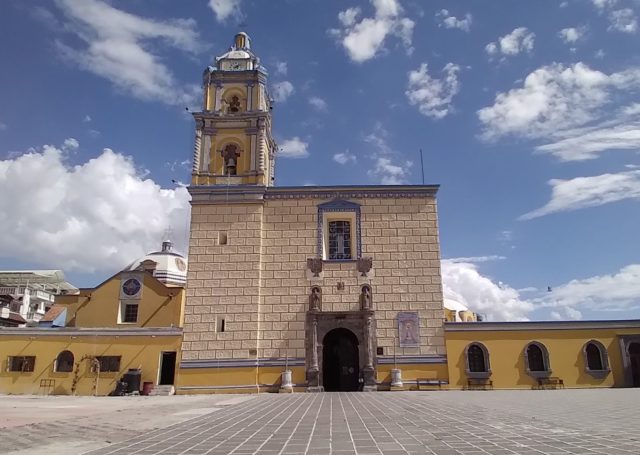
[163, 390]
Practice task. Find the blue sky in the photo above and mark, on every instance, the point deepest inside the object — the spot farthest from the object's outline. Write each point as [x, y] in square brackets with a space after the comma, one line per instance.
[527, 113]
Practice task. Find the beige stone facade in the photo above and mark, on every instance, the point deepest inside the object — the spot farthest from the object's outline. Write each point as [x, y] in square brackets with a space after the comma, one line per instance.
[259, 282]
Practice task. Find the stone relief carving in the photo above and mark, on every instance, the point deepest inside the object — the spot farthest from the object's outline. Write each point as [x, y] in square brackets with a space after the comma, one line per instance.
[315, 265]
[364, 265]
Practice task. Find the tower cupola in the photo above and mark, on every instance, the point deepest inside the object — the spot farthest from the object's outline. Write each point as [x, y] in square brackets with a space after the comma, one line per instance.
[233, 141]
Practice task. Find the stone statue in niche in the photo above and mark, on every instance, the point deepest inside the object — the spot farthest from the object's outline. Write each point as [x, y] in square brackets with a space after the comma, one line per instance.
[230, 156]
[364, 265]
[234, 105]
[315, 265]
[315, 299]
[365, 298]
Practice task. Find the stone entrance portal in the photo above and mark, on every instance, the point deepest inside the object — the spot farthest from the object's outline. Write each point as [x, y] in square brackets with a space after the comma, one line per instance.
[340, 349]
[340, 361]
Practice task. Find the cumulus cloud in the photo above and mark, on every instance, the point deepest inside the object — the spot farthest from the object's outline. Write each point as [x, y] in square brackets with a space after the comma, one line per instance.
[282, 90]
[116, 45]
[582, 192]
[94, 216]
[619, 291]
[602, 4]
[224, 9]
[70, 144]
[389, 167]
[463, 283]
[294, 148]
[433, 96]
[623, 20]
[571, 109]
[344, 157]
[281, 68]
[364, 39]
[571, 35]
[449, 21]
[318, 103]
[519, 40]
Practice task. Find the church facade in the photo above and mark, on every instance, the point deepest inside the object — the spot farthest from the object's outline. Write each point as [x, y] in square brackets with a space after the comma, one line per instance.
[332, 281]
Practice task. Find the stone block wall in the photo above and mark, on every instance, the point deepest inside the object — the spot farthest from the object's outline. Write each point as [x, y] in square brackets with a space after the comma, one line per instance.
[260, 284]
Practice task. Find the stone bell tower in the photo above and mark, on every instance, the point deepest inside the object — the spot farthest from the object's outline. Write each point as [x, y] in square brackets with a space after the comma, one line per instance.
[233, 143]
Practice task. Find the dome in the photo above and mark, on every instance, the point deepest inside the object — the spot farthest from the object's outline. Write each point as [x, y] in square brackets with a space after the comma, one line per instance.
[166, 265]
[454, 305]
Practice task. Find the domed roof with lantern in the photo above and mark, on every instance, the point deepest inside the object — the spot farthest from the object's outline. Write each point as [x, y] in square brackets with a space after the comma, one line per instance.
[166, 265]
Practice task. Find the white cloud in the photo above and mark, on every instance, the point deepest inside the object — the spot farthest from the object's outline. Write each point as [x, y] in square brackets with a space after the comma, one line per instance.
[117, 48]
[365, 39]
[616, 292]
[623, 20]
[433, 96]
[463, 283]
[571, 34]
[601, 4]
[519, 40]
[344, 157]
[449, 21]
[98, 215]
[3, 126]
[70, 144]
[294, 148]
[571, 108]
[225, 9]
[87, 118]
[281, 68]
[476, 259]
[318, 103]
[282, 90]
[582, 192]
[389, 167]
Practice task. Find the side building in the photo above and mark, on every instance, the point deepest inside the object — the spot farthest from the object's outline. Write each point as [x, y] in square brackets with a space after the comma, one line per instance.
[91, 338]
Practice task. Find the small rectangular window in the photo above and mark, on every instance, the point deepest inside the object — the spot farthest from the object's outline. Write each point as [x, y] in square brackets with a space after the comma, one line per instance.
[22, 363]
[130, 313]
[222, 238]
[339, 240]
[220, 325]
[108, 363]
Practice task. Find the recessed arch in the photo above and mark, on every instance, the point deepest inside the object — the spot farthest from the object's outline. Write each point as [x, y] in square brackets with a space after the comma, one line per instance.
[536, 357]
[234, 100]
[477, 360]
[340, 361]
[64, 362]
[231, 150]
[596, 359]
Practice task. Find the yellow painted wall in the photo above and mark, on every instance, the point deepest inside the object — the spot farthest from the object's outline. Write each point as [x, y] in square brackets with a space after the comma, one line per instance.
[160, 306]
[411, 372]
[566, 359]
[245, 379]
[137, 352]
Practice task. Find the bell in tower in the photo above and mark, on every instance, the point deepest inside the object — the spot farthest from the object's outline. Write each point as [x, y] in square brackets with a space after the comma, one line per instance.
[233, 141]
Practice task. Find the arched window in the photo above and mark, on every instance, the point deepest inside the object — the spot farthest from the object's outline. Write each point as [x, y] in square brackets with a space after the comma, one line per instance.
[537, 360]
[477, 361]
[596, 359]
[230, 155]
[64, 362]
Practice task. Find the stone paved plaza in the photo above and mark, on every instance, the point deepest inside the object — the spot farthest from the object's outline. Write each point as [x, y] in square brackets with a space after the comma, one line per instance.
[441, 422]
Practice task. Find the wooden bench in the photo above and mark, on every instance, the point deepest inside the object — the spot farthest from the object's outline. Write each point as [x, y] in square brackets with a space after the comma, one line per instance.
[423, 382]
[550, 383]
[479, 384]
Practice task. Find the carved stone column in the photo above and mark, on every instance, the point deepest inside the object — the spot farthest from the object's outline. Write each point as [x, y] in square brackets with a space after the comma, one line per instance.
[197, 146]
[368, 372]
[313, 372]
[262, 146]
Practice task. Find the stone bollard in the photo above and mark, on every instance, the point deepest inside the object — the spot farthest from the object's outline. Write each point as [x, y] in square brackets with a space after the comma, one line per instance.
[286, 386]
[396, 377]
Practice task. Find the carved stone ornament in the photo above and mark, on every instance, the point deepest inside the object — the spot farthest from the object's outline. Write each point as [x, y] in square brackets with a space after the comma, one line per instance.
[315, 299]
[365, 298]
[364, 265]
[315, 265]
[199, 124]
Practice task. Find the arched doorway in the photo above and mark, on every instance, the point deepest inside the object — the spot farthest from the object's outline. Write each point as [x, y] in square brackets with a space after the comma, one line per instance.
[634, 359]
[340, 361]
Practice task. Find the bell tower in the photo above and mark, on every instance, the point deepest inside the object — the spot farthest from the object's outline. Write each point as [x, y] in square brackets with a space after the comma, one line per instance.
[233, 142]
